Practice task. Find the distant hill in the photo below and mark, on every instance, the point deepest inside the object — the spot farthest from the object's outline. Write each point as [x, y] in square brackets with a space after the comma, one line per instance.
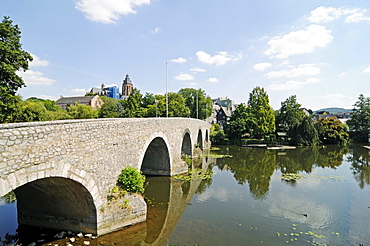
[335, 110]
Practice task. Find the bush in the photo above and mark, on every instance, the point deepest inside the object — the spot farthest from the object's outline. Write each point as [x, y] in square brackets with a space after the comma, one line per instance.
[131, 180]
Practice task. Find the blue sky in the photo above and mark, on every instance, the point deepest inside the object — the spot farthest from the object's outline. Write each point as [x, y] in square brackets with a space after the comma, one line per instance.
[317, 50]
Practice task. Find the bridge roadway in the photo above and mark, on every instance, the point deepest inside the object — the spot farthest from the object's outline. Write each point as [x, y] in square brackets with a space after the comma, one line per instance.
[63, 171]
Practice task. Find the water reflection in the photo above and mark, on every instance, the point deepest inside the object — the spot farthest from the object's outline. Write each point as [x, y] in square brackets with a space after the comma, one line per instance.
[256, 166]
[167, 200]
[360, 160]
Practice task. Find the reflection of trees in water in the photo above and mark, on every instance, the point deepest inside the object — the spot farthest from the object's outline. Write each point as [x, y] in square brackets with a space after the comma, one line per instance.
[360, 160]
[331, 156]
[256, 166]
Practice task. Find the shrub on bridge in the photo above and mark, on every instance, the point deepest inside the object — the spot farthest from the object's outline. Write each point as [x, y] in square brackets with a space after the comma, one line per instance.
[131, 180]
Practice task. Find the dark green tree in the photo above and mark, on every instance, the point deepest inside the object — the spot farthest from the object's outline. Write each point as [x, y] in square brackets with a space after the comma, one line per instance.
[259, 107]
[198, 102]
[304, 133]
[241, 122]
[133, 104]
[360, 119]
[12, 59]
[289, 114]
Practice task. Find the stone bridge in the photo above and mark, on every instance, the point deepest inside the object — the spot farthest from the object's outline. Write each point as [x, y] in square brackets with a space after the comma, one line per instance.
[62, 172]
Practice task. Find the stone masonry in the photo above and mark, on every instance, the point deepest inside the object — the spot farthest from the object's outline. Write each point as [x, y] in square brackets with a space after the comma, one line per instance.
[74, 162]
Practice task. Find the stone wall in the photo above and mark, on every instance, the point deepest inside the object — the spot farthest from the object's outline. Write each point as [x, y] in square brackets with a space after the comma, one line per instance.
[91, 152]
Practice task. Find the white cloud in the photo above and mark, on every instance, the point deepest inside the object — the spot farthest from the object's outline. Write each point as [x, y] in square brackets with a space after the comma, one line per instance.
[179, 60]
[212, 80]
[156, 30]
[367, 70]
[326, 14]
[31, 77]
[299, 42]
[301, 70]
[37, 62]
[78, 90]
[292, 85]
[342, 74]
[220, 59]
[184, 76]
[108, 11]
[192, 84]
[199, 70]
[357, 16]
[47, 97]
[262, 66]
[339, 100]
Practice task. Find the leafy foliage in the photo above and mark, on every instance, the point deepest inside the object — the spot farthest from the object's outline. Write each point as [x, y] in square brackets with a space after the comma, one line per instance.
[81, 111]
[331, 131]
[241, 122]
[259, 107]
[304, 133]
[360, 120]
[198, 102]
[289, 114]
[131, 180]
[12, 59]
[217, 135]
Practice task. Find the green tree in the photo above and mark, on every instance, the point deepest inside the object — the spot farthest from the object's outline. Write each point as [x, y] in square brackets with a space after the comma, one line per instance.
[360, 119]
[259, 107]
[32, 111]
[289, 114]
[304, 133]
[81, 111]
[217, 135]
[12, 59]
[176, 106]
[331, 131]
[112, 108]
[241, 122]
[198, 102]
[133, 104]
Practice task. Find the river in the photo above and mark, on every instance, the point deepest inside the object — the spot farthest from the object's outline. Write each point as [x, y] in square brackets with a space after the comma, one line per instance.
[251, 200]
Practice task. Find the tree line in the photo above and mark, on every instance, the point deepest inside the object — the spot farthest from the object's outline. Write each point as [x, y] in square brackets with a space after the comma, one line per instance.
[258, 122]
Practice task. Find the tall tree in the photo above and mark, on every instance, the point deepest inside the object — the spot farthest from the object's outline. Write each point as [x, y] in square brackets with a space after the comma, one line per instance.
[259, 107]
[241, 122]
[289, 114]
[12, 59]
[198, 102]
[360, 120]
[304, 133]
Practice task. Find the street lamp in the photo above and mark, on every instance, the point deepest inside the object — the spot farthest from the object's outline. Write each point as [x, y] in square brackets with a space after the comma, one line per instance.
[166, 90]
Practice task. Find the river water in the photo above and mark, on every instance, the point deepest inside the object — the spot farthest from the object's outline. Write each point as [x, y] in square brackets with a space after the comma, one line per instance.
[324, 201]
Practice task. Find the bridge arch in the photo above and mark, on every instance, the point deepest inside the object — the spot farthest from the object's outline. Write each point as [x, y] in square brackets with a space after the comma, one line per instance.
[207, 136]
[63, 197]
[186, 146]
[200, 139]
[57, 203]
[156, 159]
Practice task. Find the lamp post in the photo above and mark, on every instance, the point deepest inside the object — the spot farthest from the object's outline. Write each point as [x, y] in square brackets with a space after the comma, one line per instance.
[166, 90]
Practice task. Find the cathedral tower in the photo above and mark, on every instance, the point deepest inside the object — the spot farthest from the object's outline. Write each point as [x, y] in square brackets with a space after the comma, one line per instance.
[126, 87]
